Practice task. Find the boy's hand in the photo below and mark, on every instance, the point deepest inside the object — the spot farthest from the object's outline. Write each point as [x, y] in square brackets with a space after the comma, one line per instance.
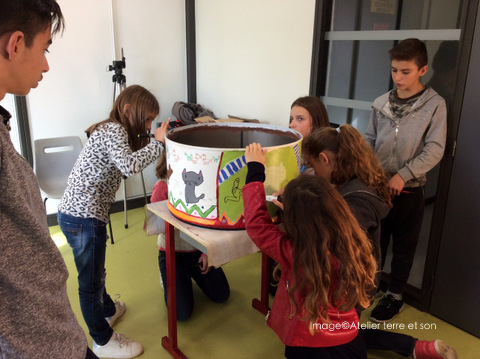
[161, 131]
[255, 153]
[396, 184]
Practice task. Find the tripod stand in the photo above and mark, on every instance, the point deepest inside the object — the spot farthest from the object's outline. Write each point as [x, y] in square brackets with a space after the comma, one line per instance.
[119, 84]
[119, 80]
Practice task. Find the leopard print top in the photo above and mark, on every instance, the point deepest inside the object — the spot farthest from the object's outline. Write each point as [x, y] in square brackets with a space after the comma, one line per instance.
[97, 174]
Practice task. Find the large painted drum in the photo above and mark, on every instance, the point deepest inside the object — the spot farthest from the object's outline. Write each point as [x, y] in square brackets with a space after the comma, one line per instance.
[207, 169]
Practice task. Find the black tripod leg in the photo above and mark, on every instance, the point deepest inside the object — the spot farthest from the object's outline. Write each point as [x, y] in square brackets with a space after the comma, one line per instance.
[110, 227]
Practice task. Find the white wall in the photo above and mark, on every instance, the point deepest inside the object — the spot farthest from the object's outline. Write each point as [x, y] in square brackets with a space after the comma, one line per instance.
[253, 57]
[253, 60]
[78, 90]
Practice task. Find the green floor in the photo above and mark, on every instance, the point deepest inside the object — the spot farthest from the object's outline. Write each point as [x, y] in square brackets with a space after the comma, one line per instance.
[230, 330]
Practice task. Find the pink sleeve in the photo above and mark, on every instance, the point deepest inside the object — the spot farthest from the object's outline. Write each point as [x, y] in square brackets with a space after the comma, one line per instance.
[159, 192]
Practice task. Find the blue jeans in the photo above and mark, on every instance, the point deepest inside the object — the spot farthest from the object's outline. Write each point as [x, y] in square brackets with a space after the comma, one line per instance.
[88, 239]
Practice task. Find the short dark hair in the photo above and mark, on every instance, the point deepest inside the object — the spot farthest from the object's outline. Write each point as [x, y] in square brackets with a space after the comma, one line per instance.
[410, 49]
[30, 17]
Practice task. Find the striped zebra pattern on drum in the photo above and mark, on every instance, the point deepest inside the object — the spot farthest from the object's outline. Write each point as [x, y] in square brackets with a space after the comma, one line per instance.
[231, 168]
[296, 149]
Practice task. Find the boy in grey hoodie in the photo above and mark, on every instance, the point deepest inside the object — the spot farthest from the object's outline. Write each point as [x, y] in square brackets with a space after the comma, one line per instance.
[407, 132]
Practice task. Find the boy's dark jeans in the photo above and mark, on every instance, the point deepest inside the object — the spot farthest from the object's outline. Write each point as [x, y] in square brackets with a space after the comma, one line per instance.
[403, 224]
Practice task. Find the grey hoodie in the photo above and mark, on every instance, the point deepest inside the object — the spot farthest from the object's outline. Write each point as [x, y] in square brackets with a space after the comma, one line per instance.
[416, 144]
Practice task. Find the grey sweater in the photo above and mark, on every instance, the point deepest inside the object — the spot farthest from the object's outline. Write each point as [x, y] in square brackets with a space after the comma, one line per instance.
[416, 144]
[36, 320]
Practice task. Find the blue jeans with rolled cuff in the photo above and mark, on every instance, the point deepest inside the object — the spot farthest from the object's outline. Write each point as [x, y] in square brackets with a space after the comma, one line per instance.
[88, 239]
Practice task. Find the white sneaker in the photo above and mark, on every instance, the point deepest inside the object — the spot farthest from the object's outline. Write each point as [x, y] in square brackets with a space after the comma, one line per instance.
[161, 283]
[120, 308]
[119, 346]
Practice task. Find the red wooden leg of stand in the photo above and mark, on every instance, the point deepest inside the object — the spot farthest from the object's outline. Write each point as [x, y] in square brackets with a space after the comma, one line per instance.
[170, 342]
[262, 304]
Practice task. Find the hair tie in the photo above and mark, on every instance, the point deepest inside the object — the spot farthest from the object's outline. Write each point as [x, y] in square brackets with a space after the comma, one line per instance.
[338, 129]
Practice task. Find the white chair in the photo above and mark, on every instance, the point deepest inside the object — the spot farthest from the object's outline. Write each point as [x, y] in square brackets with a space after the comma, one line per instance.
[54, 160]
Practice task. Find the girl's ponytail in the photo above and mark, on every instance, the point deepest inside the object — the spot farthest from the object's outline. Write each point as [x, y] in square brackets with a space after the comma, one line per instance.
[350, 148]
[356, 159]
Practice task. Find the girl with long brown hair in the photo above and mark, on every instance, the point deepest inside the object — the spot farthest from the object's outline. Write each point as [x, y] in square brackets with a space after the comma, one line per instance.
[326, 260]
[113, 150]
[308, 113]
[343, 158]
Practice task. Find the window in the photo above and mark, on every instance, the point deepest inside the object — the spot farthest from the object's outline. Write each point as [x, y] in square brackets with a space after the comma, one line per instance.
[359, 37]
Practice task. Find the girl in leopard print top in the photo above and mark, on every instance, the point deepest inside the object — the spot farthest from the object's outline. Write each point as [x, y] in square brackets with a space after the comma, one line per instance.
[113, 149]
